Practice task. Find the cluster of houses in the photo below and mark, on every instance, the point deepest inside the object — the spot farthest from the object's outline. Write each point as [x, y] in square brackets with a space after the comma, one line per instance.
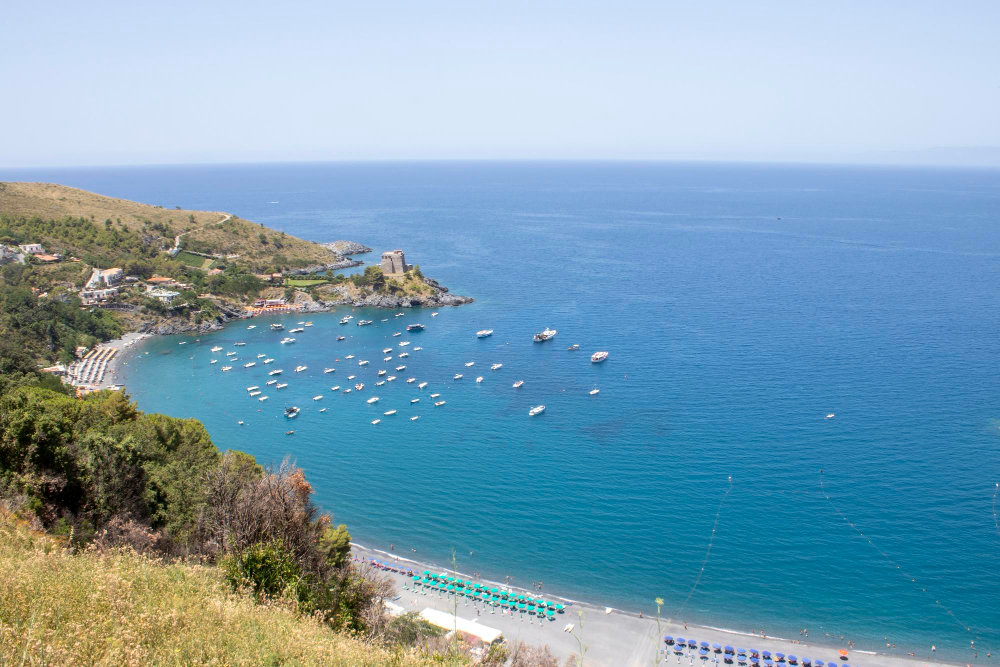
[103, 287]
[35, 251]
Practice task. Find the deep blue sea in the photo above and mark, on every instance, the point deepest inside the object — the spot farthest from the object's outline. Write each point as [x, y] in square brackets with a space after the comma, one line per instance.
[740, 305]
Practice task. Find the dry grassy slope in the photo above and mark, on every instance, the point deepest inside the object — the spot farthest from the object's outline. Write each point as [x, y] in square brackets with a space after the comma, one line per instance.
[124, 609]
[210, 231]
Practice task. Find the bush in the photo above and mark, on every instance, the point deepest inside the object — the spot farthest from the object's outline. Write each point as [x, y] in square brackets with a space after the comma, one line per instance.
[266, 569]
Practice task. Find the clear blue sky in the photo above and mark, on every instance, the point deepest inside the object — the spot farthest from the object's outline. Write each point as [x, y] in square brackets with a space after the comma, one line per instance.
[224, 81]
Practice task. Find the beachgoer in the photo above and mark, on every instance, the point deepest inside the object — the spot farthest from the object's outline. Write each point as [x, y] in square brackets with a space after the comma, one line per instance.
[640, 614]
[392, 547]
[685, 626]
[933, 647]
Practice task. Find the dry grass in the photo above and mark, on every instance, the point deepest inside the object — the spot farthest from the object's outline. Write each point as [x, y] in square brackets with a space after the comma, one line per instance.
[120, 608]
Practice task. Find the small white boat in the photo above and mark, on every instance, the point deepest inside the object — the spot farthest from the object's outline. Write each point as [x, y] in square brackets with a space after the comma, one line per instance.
[379, 383]
[830, 416]
[318, 397]
[382, 372]
[496, 367]
[270, 382]
[269, 361]
[469, 364]
[359, 386]
[543, 336]
[390, 378]
[389, 358]
[329, 370]
[300, 322]
[287, 341]
[252, 326]
[182, 343]
[415, 327]
[250, 364]
[573, 347]
[231, 353]
[351, 377]
[276, 371]
[239, 344]
[404, 343]
[277, 327]
[387, 350]
[217, 348]
[389, 413]
[479, 380]
[240, 422]
[227, 368]
[421, 385]
[416, 349]
[415, 418]
[281, 385]
[400, 368]
[364, 323]
[345, 320]
[518, 384]
[341, 338]
[435, 395]
[213, 361]
[308, 324]
[347, 391]
[410, 380]
[458, 376]
[385, 319]
[363, 362]
[398, 333]
[598, 357]
[350, 356]
[255, 393]
[373, 399]
[414, 400]
[335, 388]
[296, 330]
[434, 314]
[398, 315]
[322, 409]
[262, 399]
[438, 404]
[376, 421]
[595, 392]
[404, 355]
[253, 388]
[484, 333]
[261, 356]
[537, 410]
[291, 412]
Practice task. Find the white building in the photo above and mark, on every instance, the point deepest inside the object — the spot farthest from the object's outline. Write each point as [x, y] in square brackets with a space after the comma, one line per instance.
[32, 249]
[164, 295]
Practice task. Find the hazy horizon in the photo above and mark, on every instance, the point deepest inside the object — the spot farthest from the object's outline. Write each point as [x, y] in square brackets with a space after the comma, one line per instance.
[120, 84]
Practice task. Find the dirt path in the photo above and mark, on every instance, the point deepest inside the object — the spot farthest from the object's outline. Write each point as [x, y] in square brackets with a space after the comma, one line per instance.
[177, 239]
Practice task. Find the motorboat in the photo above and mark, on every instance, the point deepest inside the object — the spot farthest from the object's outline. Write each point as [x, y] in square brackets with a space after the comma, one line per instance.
[345, 320]
[405, 355]
[386, 350]
[421, 385]
[410, 380]
[269, 361]
[341, 338]
[214, 361]
[537, 410]
[281, 385]
[262, 399]
[239, 344]
[347, 391]
[291, 412]
[496, 367]
[255, 393]
[231, 353]
[398, 315]
[335, 388]
[389, 413]
[290, 432]
[250, 364]
[458, 376]
[270, 382]
[484, 333]
[400, 368]
[390, 378]
[296, 330]
[227, 368]
[574, 347]
[301, 322]
[389, 358]
[414, 418]
[276, 371]
[414, 400]
[415, 327]
[350, 356]
[308, 324]
[363, 362]
[518, 384]
[830, 416]
[359, 386]
[240, 422]
[261, 355]
[479, 380]
[416, 349]
[595, 392]
[364, 323]
[217, 348]
[404, 343]
[373, 399]
[382, 372]
[435, 395]
[252, 326]
[318, 397]
[329, 370]
[469, 363]
[434, 314]
[548, 334]
[438, 404]
[379, 383]
[322, 409]
[398, 333]
[598, 357]
[287, 341]
[351, 377]
[375, 422]
[253, 388]
[277, 327]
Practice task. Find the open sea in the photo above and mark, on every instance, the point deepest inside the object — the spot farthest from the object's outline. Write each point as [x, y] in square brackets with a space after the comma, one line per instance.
[740, 304]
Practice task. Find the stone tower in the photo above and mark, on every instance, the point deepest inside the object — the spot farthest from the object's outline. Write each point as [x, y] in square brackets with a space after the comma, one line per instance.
[394, 263]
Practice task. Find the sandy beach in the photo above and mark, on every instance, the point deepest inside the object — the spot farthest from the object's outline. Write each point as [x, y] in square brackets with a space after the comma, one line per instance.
[123, 344]
[614, 637]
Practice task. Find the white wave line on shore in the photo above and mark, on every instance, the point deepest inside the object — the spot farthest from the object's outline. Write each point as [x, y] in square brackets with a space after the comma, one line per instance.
[708, 551]
[949, 612]
[996, 524]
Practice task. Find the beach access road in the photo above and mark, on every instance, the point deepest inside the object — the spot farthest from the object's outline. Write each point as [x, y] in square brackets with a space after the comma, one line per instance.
[618, 639]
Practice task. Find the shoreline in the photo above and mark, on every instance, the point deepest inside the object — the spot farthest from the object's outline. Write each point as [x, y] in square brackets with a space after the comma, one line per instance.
[613, 633]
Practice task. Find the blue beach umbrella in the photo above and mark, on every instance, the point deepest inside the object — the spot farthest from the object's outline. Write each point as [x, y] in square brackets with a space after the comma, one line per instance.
[668, 639]
[779, 656]
[792, 659]
[741, 651]
[681, 640]
[729, 649]
[754, 652]
[716, 647]
[704, 644]
[766, 654]
[693, 643]
[678, 649]
[755, 660]
[807, 662]
[768, 662]
[818, 663]
[728, 658]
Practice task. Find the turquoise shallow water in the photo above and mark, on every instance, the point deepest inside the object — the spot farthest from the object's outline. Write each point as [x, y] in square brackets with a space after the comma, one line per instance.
[732, 334]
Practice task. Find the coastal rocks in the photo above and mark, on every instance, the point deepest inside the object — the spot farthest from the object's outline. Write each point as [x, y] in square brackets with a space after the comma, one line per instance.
[343, 296]
[346, 247]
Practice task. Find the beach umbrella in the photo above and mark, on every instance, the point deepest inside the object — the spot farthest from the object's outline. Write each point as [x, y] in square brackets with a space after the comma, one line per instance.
[779, 656]
[560, 607]
[754, 652]
[668, 639]
[451, 588]
[703, 651]
[728, 658]
[460, 582]
[729, 649]
[818, 663]
[494, 590]
[681, 640]
[521, 606]
[704, 644]
[792, 659]
[550, 613]
[427, 571]
[768, 661]
[520, 597]
[693, 643]
[741, 651]
[716, 647]
[807, 662]
[678, 649]
[843, 654]
[754, 659]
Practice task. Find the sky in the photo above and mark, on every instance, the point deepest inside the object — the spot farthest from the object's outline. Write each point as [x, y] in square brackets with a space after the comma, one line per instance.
[114, 83]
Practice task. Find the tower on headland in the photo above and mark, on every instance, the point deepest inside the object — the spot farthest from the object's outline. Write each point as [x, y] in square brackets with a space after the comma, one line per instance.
[394, 263]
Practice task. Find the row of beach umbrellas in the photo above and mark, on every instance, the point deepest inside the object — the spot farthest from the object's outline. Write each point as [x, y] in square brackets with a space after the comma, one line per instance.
[740, 654]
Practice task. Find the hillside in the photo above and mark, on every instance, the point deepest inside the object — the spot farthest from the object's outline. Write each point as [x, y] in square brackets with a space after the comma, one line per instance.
[106, 231]
[120, 608]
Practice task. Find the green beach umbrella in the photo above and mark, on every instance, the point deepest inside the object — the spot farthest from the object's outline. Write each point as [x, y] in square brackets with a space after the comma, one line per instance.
[427, 571]
[560, 607]
[520, 597]
[451, 579]
[521, 606]
[460, 582]
[451, 588]
[550, 613]
[494, 590]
